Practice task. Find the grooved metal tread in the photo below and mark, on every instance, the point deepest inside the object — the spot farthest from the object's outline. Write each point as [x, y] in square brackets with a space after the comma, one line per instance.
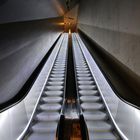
[86, 82]
[53, 93]
[52, 99]
[95, 116]
[88, 92]
[44, 127]
[48, 116]
[90, 98]
[92, 106]
[50, 107]
[87, 87]
[42, 136]
[102, 136]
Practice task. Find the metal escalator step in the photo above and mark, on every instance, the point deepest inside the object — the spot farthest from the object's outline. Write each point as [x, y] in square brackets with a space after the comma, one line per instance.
[58, 63]
[53, 83]
[57, 75]
[56, 79]
[92, 106]
[54, 88]
[48, 116]
[95, 116]
[52, 99]
[50, 107]
[53, 93]
[58, 72]
[86, 82]
[44, 127]
[81, 63]
[90, 98]
[87, 87]
[102, 136]
[98, 126]
[60, 60]
[84, 75]
[88, 92]
[44, 136]
[82, 72]
[81, 67]
[58, 69]
[84, 78]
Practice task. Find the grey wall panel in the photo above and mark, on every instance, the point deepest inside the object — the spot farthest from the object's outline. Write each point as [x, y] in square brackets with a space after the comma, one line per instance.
[22, 47]
[21, 10]
[115, 26]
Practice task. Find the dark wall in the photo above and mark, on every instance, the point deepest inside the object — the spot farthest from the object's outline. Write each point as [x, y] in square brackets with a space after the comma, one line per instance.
[22, 47]
[23, 10]
[115, 26]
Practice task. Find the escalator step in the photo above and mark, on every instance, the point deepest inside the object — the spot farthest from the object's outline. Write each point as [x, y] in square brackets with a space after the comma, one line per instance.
[90, 98]
[52, 99]
[83, 72]
[54, 88]
[86, 82]
[95, 116]
[102, 136]
[84, 75]
[55, 83]
[36, 136]
[87, 87]
[53, 93]
[92, 106]
[88, 92]
[56, 79]
[48, 116]
[84, 78]
[58, 72]
[50, 107]
[57, 75]
[44, 127]
[98, 126]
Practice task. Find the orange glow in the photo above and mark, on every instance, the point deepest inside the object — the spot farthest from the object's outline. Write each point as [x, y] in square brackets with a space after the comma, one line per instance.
[61, 23]
[69, 31]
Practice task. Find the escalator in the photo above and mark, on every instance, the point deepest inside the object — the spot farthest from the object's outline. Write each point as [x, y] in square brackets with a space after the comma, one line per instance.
[70, 101]
[71, 105]
[94, 110]
[47, 114]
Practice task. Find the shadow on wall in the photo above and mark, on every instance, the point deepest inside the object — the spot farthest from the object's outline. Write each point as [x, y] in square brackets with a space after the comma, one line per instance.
[22, 47]
[124, 82]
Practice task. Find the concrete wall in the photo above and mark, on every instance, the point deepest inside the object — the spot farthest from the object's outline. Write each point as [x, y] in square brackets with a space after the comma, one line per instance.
[115, 26]
[22, 47]
[22, 10]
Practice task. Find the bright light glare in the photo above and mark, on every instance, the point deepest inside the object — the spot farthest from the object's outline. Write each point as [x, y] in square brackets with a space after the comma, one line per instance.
[69, 31]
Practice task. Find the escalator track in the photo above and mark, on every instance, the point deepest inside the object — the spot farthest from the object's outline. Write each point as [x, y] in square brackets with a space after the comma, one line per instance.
[71, 106]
